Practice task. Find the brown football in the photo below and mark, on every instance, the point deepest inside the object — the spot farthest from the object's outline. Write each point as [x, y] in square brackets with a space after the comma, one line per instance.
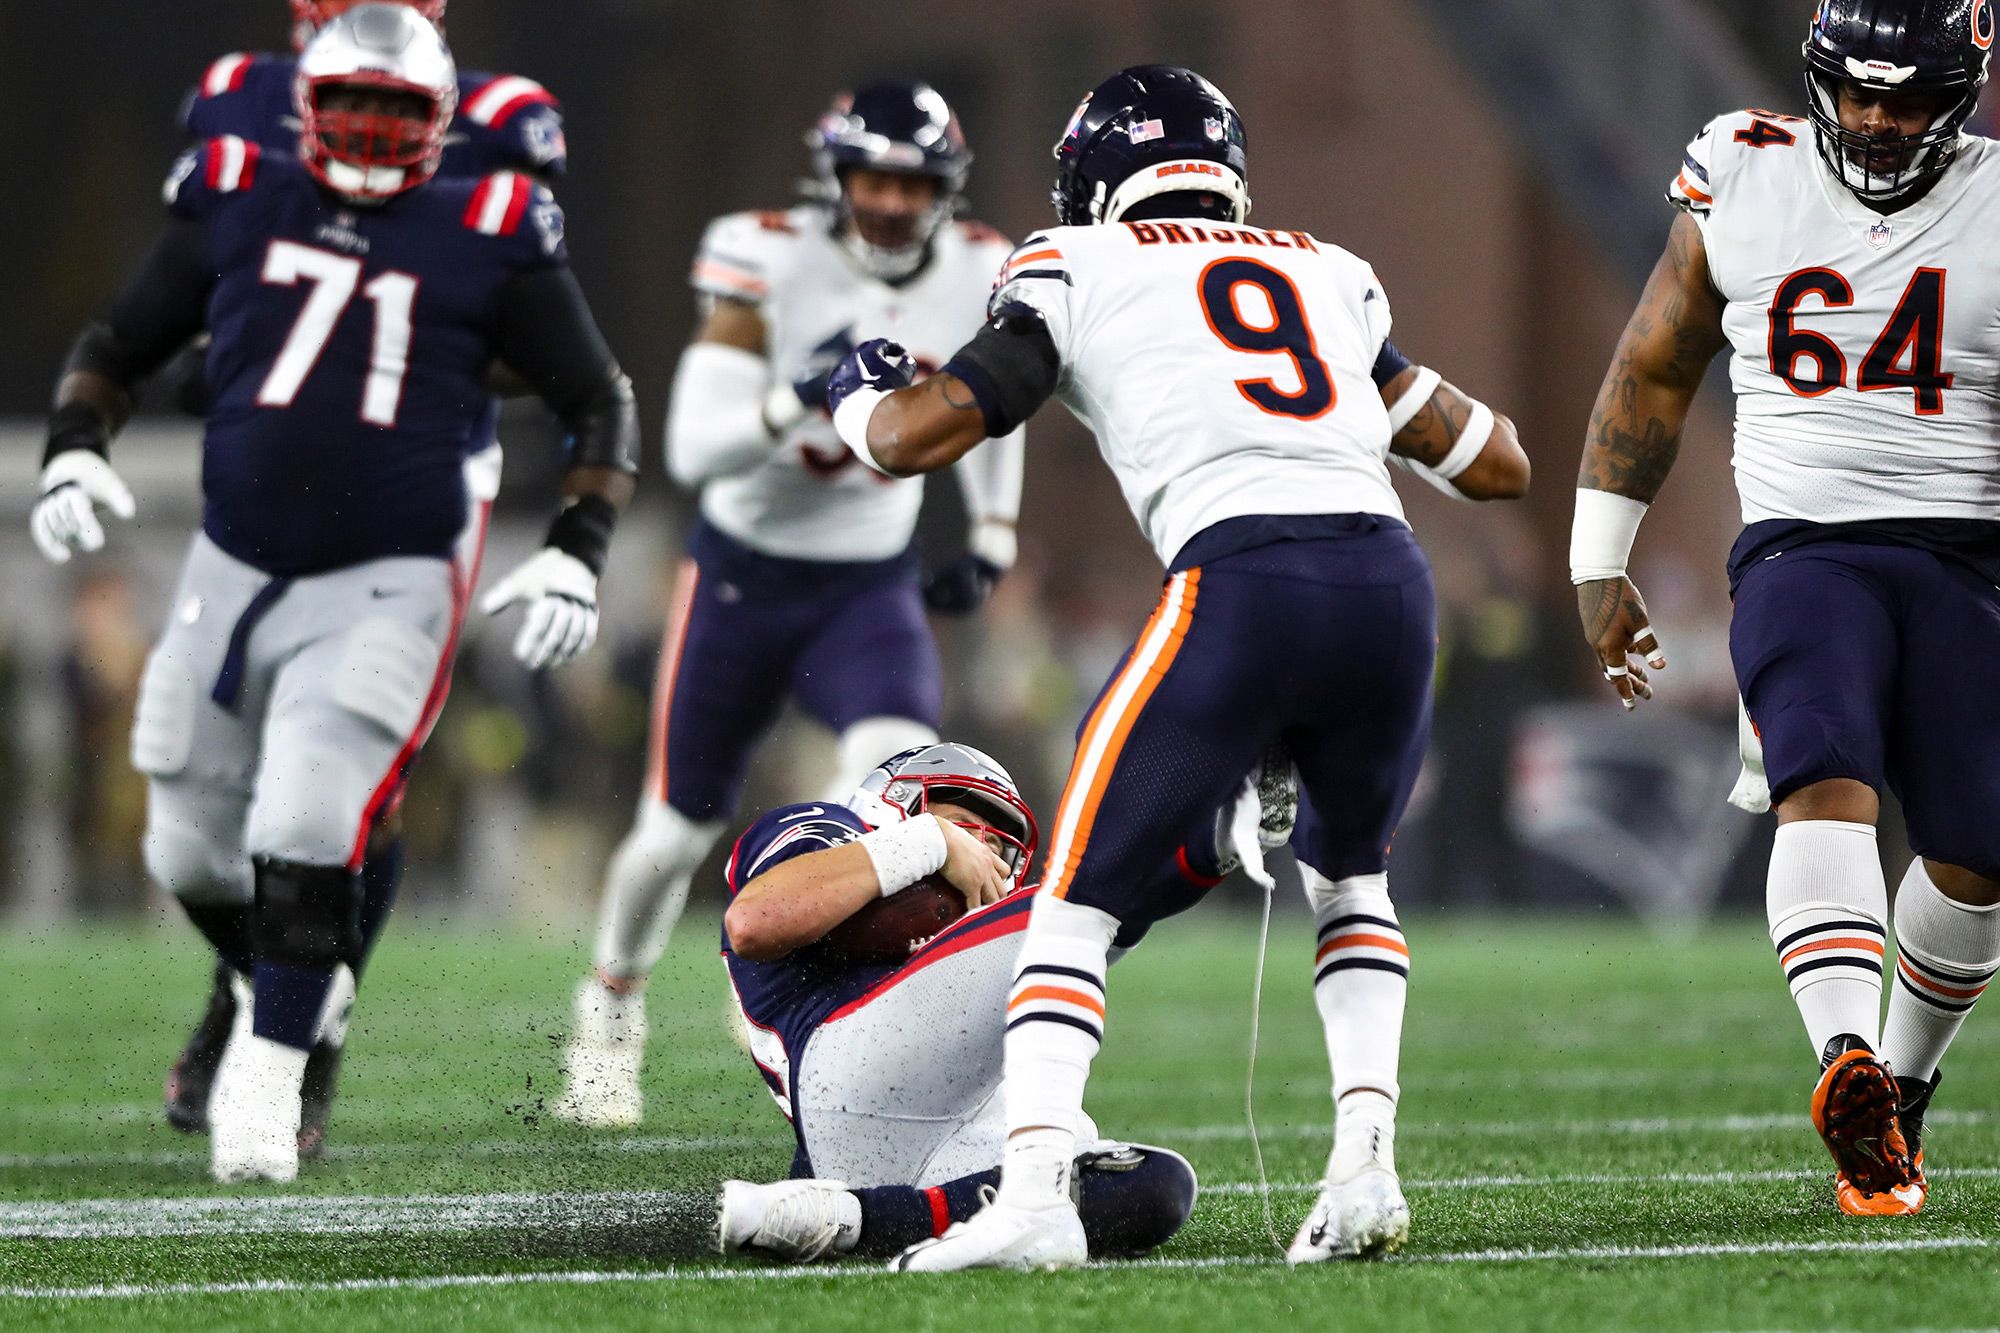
[887, 929]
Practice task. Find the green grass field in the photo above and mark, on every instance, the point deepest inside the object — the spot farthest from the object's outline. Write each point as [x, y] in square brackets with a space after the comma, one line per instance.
[1600, 1128]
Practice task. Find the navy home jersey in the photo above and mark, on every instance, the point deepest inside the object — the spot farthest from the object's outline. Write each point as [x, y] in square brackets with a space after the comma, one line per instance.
[783, 1002]
[504, 122]
[349, 352]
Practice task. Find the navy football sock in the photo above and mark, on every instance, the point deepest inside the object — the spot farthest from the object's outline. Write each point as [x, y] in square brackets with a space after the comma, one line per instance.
[381, 874]
[894, 1217]
[227, 928]
[289, 999]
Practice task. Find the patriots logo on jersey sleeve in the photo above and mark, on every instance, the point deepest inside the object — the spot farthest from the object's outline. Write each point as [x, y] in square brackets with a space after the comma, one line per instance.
[548, 216]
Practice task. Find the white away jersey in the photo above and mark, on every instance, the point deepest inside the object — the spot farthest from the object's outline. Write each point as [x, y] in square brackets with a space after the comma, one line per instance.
[1224, 370]
[1867, 366]
[813, 499]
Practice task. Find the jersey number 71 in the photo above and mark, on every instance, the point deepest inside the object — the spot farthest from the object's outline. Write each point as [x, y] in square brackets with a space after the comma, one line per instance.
[334, 278]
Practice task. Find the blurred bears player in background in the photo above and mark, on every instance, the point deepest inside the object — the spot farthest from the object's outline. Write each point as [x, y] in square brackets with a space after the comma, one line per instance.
[801, 580]
[357, 306]
[888, 1064]
[1846, 256]
[1243, 390]
[502, 123]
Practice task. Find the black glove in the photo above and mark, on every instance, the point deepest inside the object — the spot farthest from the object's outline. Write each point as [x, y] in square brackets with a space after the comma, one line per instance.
[961, 587]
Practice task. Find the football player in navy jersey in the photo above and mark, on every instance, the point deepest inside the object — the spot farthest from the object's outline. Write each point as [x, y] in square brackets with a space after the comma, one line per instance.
[889, 1069]
[357, 306]
[503, 122]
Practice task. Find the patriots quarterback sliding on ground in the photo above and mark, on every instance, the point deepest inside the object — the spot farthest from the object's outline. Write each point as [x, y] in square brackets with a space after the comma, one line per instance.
[502, 123]
[357, 306]
[888, 1068]
[1243, 390]
[1845, 256]
[801, 581]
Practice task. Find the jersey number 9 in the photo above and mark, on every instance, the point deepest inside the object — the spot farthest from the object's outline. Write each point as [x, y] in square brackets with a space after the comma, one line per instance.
[1908, 354]
[1287, 334]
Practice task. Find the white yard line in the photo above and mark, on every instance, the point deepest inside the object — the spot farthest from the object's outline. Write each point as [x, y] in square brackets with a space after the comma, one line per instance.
[334, 1215]
[440, 1281]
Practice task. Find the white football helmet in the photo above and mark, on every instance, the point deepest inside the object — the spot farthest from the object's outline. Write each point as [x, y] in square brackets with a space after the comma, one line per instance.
[368, 155]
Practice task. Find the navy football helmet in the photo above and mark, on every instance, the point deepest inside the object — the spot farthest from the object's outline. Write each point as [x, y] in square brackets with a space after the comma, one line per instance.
[1148, 131]
[1939, 47]
[903, 786]
[896, 126]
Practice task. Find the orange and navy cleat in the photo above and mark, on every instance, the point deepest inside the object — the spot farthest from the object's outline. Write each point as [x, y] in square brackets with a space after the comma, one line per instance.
[1913, 1099]
[1855, 1109]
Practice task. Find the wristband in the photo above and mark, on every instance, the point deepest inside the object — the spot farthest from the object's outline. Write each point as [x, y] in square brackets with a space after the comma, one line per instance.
[1466, 449]
[583, 530]
[76, 426]
[783, 409]
[905, 853]
[1600, 537]
[1412, 402]
[851, 420]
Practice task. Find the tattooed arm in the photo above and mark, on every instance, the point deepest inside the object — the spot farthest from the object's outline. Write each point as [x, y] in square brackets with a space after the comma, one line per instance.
[1635, 432]
[926, 426]
[1499, 472]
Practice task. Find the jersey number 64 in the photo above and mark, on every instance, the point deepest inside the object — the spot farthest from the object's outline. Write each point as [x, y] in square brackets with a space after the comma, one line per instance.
[1908, 354]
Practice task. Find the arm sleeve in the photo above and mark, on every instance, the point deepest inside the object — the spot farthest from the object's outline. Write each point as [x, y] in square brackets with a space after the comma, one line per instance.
[789, 831]
[715, 419]
[548, 336]
[161, 308]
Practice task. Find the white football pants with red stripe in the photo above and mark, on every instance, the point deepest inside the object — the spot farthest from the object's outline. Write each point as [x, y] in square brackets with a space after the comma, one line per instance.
[277, 721]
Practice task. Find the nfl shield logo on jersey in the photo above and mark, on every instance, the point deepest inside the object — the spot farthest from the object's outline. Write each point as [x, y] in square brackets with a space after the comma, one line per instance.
[1879, 235]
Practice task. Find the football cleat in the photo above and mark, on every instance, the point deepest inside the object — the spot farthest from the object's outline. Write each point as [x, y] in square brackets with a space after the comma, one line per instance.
[797, 1221]
[1277, 798]
[1854, 1108]
[1913, 1098]
[601, 1062]
[254, 1112]
[1002, 1236]
[1360, 1214]
[193, 1071]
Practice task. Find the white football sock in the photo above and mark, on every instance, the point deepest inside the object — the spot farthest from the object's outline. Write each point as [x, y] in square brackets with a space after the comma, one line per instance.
[1361, 979]
[646, 888]
[1055, 1023]
[1826, 903]
[1946, 953]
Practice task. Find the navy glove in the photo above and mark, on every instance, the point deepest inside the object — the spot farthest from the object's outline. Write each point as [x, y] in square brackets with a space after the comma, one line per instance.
[961, 587]
[875, 364]
[825, 358]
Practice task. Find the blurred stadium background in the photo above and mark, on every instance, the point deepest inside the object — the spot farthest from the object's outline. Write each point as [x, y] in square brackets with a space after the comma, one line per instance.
[1500, 161]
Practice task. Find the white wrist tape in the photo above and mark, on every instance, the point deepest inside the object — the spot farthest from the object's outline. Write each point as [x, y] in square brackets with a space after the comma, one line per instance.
[1425, 473]
[905, 853]
[851, 420]
[1412, 402]
[783, 409]
[994, 542]
[1478, 430]
[1600, 537]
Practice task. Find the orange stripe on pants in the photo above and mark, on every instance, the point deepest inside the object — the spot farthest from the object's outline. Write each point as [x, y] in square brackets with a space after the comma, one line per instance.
[1111, 724]
[685, 583]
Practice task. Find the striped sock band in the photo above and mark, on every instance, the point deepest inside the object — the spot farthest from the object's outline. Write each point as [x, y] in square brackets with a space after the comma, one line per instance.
[1053, 993]
[1361, 940]
[1947, 989]
[1828, 942]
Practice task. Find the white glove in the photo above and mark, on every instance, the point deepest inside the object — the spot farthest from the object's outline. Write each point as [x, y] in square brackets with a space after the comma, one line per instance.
[64, 518]
[561, 593]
